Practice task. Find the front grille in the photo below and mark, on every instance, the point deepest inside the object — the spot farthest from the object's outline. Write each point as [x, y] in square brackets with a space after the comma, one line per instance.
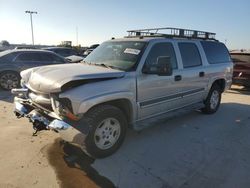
[42, 100]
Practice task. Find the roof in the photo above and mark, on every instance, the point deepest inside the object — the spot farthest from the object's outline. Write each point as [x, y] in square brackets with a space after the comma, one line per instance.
[23, 50]
[167, 33]
[147, 39]
[52, 48]
[171, 32]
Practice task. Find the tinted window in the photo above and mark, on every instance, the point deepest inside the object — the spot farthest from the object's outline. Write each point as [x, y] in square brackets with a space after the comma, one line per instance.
[215, 52]
[52, 58]
[190, 55]
[57, 59]
[161, 49]
[29, 57]
[46, 57]
[7, 57]
[65, 52]
[242, 58]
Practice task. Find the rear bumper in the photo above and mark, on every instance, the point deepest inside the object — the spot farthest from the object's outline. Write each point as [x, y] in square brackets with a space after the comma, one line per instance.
[50, 121]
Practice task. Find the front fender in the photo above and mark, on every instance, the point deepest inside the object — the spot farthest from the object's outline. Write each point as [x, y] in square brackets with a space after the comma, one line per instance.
[86, 104]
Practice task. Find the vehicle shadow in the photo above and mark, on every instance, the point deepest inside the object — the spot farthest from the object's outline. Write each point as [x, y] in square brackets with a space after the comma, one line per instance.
[73, 166]
[6, 96]
[176, 152]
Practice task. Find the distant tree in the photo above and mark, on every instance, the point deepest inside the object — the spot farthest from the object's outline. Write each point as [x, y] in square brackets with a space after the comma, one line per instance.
[4, 43]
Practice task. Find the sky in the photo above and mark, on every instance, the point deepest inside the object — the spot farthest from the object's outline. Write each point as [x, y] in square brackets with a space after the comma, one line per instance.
[100, 20]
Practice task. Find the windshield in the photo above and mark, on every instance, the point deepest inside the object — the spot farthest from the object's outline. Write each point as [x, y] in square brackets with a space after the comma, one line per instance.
[122, 55]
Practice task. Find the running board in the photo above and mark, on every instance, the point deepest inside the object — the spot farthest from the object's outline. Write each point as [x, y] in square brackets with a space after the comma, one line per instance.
[148, 122]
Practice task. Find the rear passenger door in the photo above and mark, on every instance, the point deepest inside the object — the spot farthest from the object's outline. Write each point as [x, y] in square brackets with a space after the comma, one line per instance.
[193, 80]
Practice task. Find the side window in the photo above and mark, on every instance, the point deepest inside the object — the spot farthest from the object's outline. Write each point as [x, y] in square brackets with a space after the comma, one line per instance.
[51, 58]
[161, 49]
[73, 52]
[190, 55]
[9, 57]
[215, 52]
[46, 57]
[63, 52]
[29, 57]
[56, 59]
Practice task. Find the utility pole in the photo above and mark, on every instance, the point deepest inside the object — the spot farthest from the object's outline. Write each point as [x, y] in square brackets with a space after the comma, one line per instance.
[76, 36]
[31, 22]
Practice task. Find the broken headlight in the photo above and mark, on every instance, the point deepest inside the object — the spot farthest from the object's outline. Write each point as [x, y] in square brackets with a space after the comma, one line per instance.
[63, 108]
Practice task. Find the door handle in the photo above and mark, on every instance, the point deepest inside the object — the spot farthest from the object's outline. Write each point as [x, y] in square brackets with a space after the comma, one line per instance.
[177, 78]
[201, 74]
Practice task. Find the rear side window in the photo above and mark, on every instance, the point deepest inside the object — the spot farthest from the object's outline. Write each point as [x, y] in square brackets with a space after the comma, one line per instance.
[161, 49]
[190, 55]
[49, 57]
[7, 57]
[215, 52]
[57, 59]
[29, 57]
[65, 52]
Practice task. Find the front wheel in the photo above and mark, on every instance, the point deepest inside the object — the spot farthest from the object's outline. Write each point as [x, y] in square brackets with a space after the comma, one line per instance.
[9, 80]
[213, 100]
[108, 126]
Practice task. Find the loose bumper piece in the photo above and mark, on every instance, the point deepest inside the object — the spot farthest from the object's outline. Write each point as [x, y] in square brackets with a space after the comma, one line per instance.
[58, 125]
[46, 122]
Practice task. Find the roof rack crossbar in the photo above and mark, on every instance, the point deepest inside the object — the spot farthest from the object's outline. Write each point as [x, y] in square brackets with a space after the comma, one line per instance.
[172, 33]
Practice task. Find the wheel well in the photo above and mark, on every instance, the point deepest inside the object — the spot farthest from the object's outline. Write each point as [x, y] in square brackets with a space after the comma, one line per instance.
[124, 105]
[221, 83]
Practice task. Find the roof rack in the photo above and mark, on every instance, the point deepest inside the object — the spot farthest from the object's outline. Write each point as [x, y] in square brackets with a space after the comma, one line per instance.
[170, 32]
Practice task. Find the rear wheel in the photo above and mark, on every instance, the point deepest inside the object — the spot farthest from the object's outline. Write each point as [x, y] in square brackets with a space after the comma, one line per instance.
[9, 80]
[107, 130]
[213, 100]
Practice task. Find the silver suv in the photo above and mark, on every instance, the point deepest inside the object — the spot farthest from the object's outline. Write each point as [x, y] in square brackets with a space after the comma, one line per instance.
[128, 82]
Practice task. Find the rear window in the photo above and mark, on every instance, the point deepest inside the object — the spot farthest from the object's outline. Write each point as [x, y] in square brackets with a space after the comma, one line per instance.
[7, 56]
[215, 52]
[242, 58]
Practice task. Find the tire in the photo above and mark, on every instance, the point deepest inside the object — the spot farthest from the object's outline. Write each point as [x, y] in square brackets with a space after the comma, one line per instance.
[108, 126]
[9, 80]
[213, 100]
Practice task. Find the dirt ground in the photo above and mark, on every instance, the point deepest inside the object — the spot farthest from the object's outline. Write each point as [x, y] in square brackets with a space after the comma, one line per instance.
[194, 150]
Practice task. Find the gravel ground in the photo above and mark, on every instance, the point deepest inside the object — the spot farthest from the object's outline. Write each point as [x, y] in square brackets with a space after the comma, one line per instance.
[194, 150]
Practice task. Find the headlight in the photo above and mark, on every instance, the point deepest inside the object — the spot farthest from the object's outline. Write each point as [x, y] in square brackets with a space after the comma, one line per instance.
[23, 84]
[61, 108]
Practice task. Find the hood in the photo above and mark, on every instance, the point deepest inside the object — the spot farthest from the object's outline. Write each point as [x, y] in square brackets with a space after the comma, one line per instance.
[51, 79]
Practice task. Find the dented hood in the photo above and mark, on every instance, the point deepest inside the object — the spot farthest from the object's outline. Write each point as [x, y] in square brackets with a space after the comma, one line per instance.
[50, 79]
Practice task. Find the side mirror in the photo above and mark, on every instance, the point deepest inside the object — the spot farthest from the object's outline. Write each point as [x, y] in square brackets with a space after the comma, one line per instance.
[163, 67]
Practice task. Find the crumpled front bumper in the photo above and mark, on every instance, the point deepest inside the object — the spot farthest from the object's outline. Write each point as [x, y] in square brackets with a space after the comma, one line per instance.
[24, 108]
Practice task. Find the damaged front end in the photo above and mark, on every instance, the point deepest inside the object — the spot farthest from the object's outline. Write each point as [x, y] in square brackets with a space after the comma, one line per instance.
[40, 115]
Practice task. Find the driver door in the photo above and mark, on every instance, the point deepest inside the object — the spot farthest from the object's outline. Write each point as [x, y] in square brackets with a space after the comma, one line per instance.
[158, 94]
